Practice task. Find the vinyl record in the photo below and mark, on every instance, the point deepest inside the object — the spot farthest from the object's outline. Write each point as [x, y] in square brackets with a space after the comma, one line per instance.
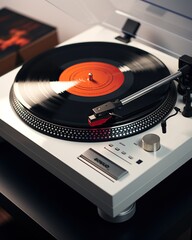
[63, 85]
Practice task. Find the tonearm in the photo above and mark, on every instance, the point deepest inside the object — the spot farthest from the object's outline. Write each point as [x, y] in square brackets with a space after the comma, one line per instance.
[105, 111]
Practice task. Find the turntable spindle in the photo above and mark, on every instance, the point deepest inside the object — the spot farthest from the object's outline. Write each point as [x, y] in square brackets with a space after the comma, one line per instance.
[90, 76]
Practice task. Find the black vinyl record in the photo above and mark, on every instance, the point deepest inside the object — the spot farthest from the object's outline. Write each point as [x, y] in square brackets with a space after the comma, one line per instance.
[62, 86]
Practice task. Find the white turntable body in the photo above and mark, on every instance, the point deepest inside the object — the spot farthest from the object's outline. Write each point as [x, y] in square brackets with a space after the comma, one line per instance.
[142, 170]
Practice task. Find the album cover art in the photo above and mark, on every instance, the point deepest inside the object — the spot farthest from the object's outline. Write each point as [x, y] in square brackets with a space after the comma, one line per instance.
[21, 38]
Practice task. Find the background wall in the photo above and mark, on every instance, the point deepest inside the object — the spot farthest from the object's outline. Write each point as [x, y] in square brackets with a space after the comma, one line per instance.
[43, 11]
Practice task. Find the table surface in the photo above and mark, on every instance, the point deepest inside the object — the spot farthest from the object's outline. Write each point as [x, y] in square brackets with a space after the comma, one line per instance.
[165, 212]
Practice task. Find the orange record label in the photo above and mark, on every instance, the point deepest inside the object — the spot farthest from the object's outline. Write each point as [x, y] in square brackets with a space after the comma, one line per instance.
[92, 79]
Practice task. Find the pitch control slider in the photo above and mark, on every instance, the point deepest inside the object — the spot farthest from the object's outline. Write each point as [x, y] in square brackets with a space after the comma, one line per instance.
[105, 111]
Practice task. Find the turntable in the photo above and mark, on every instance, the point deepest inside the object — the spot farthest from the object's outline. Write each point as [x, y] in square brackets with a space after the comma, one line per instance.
[93, 110]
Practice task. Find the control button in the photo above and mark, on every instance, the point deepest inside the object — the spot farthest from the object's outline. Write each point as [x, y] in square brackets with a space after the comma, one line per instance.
[139, 161]
[151, 142]
[123, 152]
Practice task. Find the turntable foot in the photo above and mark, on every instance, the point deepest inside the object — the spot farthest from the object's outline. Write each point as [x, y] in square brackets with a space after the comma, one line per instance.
[122, 217]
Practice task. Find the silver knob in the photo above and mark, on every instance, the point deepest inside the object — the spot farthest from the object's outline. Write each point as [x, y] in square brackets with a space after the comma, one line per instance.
[151, 142]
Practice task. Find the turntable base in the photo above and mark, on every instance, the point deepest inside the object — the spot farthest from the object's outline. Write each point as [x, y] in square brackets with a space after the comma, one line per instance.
[134, 170]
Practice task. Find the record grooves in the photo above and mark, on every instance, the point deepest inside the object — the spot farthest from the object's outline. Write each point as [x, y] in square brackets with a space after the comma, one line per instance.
[55, 92]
